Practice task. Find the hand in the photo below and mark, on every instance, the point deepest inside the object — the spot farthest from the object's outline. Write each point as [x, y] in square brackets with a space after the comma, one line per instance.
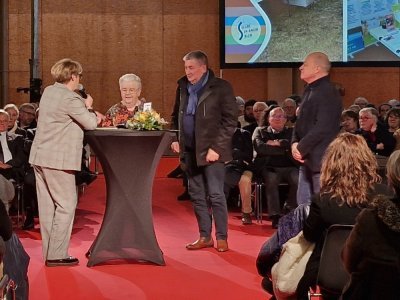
[175, 147]
[89, 101]
[380, 146]
[296, 153]
[100, 117]
[4, 166]
[212, 155]
[276, 143]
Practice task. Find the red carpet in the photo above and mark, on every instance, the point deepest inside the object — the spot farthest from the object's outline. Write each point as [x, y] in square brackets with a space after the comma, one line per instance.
[204, 274]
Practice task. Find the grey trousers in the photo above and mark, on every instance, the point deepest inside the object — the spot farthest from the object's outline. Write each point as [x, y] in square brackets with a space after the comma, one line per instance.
[57, 199]
[7, 191]
[206, 190]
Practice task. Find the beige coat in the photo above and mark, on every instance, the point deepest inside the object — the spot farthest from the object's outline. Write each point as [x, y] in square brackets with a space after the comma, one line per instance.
[59, 135]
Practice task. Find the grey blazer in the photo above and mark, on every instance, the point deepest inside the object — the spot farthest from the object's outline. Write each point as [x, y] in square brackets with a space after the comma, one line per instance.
[59, 135]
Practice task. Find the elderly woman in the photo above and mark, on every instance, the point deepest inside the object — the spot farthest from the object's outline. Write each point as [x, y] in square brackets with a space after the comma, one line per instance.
[13, 112]
[378, 138]
[371, 252]
[349, 180]
[130, 87]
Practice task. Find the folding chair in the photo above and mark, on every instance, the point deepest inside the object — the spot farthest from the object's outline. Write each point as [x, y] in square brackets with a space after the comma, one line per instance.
[332, 277]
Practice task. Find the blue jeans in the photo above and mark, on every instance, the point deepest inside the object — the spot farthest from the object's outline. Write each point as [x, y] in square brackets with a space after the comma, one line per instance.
[308, 185]
[206, 189]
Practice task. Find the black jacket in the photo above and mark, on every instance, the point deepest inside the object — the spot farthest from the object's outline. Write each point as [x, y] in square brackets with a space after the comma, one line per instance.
[318, 121]
[372, 252]
[215, 119]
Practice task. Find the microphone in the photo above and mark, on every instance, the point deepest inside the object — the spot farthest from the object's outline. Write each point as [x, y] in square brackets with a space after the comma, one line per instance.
[81, 91]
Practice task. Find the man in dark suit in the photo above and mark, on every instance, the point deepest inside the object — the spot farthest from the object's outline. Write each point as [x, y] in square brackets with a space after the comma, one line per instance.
[207, 119]
[12, 160]
[317, 124]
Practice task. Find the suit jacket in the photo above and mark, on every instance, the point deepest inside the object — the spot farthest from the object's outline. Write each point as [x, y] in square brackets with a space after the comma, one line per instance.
[59, 135]
[216, 118]
[19, 159]
[318, 122]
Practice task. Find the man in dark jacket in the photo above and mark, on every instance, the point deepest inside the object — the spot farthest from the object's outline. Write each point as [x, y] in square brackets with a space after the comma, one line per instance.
[207, 119]
[317, 124]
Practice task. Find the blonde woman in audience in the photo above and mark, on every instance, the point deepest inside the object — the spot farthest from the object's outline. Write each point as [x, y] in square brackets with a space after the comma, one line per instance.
[349, 180]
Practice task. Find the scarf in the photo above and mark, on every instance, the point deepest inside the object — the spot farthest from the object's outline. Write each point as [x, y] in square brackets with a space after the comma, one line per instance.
[193, 89]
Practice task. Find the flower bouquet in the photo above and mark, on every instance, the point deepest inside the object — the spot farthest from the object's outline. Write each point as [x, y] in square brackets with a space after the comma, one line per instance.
[146, 120]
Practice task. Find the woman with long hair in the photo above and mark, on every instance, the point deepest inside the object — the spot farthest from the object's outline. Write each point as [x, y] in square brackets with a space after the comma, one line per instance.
[371, 253]
[349, 180]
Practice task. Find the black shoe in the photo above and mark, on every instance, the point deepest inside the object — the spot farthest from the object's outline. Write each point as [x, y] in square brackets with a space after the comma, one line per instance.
[267, 286]
[183, 197]
[246, 219]
[275, 221]
[176, 173]
[70, 261]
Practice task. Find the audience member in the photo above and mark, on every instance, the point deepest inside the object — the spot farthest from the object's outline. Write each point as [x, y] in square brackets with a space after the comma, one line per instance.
[248, 113]
[238, 171]
[379, 140]
[289, 106]
[383, 110]
[394, 102]
[349, 121]
[354, 108]
[362, 102]
[207, 120]
[371, 252]
[296, 99]
[317, 124]
[240, 103]
[13, 127]
[130, 87]
[349, 180]
[272, 145]
[12, 160]
[258, 112]
[56, 154]
[393, 122]
[27, 116]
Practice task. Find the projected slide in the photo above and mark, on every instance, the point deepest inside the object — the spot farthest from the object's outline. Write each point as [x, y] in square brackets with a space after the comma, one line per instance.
[285, 31]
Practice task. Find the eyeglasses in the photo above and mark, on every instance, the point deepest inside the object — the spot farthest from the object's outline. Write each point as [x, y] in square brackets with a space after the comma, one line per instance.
[258, 110]
[130, 91]
[394, 116]
[365, 118]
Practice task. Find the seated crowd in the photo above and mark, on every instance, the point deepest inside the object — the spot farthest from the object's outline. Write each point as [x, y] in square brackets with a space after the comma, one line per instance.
[262, 152]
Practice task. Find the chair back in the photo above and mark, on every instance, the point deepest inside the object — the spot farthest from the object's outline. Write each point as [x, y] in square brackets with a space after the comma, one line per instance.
[332, 276]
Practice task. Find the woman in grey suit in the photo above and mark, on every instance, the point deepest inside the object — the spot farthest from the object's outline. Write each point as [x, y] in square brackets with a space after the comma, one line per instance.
[56, 154]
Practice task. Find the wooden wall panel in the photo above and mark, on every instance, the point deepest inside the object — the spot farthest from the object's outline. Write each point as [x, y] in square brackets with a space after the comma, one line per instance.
[149, 38]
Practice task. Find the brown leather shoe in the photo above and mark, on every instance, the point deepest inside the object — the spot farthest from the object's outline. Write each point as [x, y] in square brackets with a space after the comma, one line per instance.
[222, 245]
[202, 242]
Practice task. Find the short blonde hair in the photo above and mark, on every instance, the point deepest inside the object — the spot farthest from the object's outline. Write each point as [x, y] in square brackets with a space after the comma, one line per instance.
[130, 77]
[63, 70]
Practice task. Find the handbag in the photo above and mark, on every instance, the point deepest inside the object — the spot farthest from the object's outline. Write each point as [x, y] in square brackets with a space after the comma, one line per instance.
[287, 272]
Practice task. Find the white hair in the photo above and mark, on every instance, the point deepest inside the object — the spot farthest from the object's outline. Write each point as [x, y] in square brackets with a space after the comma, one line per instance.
[130, 77]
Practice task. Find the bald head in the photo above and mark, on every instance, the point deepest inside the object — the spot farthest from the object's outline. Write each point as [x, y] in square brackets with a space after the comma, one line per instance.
[315, 66]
